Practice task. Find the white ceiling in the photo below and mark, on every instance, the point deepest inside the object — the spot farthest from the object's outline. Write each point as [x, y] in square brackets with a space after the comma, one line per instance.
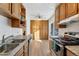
[45, 10]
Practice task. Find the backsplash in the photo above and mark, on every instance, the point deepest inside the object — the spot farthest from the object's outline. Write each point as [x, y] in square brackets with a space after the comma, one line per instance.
[6, 29]
[70, 28]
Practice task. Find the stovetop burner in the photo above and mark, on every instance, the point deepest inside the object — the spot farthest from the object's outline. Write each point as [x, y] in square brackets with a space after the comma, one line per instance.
[68, 42]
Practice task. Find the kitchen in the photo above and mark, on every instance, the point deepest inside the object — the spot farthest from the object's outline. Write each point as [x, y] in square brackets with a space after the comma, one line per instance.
[29, 29]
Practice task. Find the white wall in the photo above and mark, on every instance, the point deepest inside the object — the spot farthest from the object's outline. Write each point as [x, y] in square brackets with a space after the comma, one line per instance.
[6, 29]
[70, 28]
[28, 24]
[51, 20]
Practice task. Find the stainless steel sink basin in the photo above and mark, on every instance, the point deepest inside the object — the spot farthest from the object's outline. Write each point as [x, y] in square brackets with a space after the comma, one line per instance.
[17, 40]
[5, 48]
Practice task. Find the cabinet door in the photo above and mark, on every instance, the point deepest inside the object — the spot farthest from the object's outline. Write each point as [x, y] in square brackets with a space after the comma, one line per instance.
[26, 49]
[15, 23]
[57, 17]
[6, 7]
[69, 53]
[62, 11]
[78, 7]
[20, 52]
[16, 9]
[71, 9]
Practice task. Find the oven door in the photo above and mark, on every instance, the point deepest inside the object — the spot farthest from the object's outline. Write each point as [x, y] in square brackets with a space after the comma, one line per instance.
[59, 49]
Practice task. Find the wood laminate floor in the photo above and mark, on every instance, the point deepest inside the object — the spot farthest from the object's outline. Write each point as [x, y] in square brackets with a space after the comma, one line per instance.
[39, 48]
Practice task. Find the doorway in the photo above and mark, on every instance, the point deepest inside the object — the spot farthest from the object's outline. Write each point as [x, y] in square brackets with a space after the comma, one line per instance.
[39, 29]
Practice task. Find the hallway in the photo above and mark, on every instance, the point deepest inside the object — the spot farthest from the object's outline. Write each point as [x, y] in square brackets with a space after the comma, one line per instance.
[39, 48]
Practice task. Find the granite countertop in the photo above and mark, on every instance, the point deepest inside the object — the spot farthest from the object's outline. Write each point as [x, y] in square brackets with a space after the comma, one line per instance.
[15, 50]
[74, 49]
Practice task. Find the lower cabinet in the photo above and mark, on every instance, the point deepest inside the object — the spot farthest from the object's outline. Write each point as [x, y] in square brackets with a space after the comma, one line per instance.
[20, 52]
[23, 51]
[26, 49]
[69, 53]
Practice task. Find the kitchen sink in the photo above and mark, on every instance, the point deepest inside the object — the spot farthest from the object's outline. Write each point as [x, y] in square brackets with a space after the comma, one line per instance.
[5, 48]
[17, 40]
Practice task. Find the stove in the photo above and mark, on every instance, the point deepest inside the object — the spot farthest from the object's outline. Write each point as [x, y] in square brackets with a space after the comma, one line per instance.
[61, 42]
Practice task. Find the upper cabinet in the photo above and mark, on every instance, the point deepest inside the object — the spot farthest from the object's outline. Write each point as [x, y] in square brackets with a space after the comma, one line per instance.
[5, 10]
[71, 9]
[17, 12]
[16, 9]
[59, 15]
[67, 11]
[78, 8]
[23, 19]
[62, 11]
[23, 15]
[6, 7]
[56, 17]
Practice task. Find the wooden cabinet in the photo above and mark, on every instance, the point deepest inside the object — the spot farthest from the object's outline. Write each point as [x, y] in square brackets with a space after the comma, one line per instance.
[5, 10]
[26, 49]
[23, 51]
[6, 7]
[69, 53]
[62, 11]
[16, 9]
[71, 9]
[78, 8]
[18, 12]
[15, 23]
[23, 19]
[62, 14]
[20, 52]
[67, 10]
[57, 18]
[57, 12]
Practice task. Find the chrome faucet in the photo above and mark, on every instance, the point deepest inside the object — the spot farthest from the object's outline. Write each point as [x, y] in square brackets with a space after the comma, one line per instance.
[3, 38]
